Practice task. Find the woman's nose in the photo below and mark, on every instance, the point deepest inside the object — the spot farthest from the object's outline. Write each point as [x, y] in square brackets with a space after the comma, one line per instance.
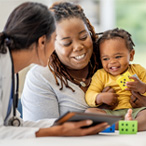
[78, 47]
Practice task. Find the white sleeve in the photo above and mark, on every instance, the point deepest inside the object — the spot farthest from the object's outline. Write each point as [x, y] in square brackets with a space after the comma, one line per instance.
[39, 100]
[10, 132]
[27, 130]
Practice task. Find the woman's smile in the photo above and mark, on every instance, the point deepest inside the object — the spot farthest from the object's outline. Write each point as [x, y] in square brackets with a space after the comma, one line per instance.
[73, 48]
[80, 57]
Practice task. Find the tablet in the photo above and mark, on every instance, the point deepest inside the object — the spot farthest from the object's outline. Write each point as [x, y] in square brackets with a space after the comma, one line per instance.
[96, 118]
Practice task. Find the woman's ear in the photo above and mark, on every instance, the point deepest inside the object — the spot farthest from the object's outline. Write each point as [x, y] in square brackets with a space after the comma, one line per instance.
[41, 42]
[132, 53]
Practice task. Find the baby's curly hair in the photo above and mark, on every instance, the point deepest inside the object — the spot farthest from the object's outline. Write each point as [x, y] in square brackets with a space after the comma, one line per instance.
[115, 33]
[67, 10]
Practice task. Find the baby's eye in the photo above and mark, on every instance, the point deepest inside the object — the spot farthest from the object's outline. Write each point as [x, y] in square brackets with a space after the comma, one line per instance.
[118, 56]
[105, 59]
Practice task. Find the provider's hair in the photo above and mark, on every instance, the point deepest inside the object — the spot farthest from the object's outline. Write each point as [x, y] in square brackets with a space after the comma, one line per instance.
[25, 25]
[62, 11]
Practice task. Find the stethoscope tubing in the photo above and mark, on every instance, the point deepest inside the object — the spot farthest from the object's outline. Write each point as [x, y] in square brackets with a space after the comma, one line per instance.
[14, 95]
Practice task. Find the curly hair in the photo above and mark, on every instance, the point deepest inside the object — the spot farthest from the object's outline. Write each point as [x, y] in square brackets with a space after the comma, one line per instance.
[67, 10]
[115, 33]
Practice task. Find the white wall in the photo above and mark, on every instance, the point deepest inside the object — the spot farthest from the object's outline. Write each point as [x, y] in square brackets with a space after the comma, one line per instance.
[107, 14]
[6, 7]
[101, 18]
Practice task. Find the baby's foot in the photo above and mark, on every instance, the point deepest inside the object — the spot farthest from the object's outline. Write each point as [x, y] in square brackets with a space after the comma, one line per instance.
[128, 116]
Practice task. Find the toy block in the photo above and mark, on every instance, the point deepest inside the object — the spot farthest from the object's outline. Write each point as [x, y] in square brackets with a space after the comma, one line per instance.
[110, 129]
[123, 79]
[127, 127]
[135, 75]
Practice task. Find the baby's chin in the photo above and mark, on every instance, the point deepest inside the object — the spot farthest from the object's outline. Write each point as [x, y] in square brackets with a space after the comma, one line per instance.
[114, 73]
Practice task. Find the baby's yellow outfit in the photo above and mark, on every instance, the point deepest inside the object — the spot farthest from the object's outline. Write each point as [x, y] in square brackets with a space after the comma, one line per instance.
[102, 79]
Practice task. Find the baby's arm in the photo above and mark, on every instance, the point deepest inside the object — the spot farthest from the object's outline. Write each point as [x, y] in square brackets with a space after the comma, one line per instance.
[95, 96]
[137, 85]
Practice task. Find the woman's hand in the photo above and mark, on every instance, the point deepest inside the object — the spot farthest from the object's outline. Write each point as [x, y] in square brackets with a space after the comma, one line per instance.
[106, 106]
[72, 129]
[108, 89]
[107, 98]
[137, 100]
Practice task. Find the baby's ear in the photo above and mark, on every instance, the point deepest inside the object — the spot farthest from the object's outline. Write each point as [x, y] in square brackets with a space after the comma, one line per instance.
[132, 53]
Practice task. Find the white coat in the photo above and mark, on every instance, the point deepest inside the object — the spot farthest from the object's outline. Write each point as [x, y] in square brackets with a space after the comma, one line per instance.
[10, 132]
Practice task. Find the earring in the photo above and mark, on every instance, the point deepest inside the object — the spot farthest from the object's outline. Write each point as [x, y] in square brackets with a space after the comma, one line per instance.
[91, 64]
[90, 33]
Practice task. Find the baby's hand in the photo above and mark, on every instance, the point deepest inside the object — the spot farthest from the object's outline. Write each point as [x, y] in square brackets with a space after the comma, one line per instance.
[137, 85]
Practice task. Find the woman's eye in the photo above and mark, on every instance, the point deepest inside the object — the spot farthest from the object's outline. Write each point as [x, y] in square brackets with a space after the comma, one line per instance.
[84, 37]
[67, 44]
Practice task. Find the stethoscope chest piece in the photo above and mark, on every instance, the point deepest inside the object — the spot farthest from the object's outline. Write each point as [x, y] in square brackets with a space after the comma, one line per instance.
[14, 121]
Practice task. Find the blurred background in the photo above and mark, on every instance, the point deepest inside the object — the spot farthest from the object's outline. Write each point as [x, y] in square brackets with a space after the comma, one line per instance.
[103, 15]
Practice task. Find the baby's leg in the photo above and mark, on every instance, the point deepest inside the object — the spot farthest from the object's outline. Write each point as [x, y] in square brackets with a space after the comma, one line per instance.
[128, 116]
[94, 110]
[141, 118]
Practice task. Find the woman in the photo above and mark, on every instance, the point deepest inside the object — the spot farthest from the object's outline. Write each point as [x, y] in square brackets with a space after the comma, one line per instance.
[28, 37]
[52, 91]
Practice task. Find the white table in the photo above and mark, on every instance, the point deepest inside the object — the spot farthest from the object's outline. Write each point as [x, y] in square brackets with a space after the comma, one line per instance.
[102, 139]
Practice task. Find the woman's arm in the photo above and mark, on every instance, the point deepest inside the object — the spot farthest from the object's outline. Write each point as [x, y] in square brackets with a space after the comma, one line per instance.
[38, 98]
[32, 130]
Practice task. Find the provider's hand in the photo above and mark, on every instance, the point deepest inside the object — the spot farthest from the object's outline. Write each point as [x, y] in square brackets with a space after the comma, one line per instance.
[137, 100]
[72, 129]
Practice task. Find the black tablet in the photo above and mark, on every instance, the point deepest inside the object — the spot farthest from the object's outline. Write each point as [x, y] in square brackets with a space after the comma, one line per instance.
[96, 118]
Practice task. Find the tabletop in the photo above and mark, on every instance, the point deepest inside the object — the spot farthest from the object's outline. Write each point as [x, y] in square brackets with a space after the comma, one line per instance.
[101, 139]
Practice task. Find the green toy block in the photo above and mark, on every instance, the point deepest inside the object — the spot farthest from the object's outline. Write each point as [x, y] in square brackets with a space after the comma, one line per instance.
[127, 127]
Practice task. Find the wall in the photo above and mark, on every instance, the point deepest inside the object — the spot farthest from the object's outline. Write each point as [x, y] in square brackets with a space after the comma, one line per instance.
[96, 10]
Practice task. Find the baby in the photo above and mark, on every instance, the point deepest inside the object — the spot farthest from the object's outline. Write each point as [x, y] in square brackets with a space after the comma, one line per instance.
[116, 52]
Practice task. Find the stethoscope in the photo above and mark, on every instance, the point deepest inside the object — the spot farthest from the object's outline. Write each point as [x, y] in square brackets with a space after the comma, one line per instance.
[14, 121]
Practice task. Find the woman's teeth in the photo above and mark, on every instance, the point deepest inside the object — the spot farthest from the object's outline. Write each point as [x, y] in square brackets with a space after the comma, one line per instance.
[80, 57]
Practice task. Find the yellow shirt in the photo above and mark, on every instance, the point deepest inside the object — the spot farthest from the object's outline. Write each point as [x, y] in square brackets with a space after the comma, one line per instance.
[102, 79]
